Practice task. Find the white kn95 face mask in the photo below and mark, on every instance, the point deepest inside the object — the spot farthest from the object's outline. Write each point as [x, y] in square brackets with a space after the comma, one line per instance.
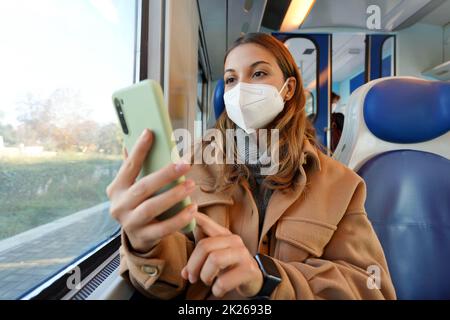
[253, 106]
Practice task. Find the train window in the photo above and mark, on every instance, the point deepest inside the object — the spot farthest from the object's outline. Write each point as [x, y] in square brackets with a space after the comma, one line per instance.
[348, 67]
[305, 54]
[310, 107]
[348, 73]
[59, 142]
[387, 64]
[202, 98]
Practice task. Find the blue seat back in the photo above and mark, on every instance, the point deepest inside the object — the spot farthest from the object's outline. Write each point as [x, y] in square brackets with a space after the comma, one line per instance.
[408, 204]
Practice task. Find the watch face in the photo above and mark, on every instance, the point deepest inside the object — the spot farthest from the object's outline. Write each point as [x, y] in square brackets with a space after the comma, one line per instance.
[272, 276]
[269, 266]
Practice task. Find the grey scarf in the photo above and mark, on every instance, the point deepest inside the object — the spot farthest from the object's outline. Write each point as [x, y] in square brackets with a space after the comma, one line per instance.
[248, 152]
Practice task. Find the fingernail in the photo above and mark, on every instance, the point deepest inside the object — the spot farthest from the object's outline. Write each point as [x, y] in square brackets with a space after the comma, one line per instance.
[189, 185]
[192, 279]
[193, 209]
[181, 166]
[145, 134]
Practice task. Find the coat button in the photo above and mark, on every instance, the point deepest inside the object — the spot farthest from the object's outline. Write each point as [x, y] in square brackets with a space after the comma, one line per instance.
[152, 271]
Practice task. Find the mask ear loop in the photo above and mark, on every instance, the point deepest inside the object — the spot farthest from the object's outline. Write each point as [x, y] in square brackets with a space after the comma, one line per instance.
[282, 88]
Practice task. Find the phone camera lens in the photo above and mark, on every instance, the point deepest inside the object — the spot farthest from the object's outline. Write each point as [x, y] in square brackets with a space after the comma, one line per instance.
[123, 123]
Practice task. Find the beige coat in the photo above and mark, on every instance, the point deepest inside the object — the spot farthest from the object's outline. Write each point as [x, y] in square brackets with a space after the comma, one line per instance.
[318, 234]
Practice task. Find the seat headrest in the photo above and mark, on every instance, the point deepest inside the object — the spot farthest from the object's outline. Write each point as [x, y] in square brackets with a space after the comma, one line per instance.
[219, 104]
[407, 110]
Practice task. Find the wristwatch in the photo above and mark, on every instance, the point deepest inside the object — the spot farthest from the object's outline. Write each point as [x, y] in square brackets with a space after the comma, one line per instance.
[271, 276]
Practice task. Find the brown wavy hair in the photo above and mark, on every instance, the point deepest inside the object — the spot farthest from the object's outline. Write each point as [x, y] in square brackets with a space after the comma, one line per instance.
[293, 124]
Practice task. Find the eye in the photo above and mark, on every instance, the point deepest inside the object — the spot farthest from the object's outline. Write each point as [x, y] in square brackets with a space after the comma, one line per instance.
[259, 74]
[229, 80]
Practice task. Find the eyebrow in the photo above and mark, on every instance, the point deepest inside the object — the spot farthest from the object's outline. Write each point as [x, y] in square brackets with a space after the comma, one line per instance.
[254, 64]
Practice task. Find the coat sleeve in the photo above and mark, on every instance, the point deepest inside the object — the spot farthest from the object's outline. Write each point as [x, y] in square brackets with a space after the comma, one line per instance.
[157, 273]
[352, 266]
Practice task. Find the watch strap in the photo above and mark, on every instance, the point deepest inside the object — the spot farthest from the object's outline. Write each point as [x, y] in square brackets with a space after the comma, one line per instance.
[271, 276]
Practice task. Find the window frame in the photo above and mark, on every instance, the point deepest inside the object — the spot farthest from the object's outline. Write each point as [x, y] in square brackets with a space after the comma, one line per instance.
[374, 55]
[55, 286]
[205, 66]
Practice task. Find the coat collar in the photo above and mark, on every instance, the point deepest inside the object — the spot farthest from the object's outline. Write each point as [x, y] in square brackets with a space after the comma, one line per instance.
[311, 156]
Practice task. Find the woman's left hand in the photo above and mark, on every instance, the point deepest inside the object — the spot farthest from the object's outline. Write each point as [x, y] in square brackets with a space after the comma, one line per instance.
[222, 260]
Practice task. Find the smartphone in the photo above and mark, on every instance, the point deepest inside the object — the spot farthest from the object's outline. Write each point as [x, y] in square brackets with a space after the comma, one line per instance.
[142, 106]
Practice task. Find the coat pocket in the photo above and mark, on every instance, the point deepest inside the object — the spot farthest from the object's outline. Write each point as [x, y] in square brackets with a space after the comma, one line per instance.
[298, 239]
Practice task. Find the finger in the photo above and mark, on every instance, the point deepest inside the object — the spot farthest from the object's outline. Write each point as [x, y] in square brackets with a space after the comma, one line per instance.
[163, 228]
[209, 226]
[184, 274]
[155, 206]
[155, 181]
[203, 249]
[230, 280]
[217, 261]
[198, 234]
[132, 165]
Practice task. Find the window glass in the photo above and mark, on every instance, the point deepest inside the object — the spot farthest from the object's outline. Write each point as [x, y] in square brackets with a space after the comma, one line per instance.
[310, 106]
[348, 66]
[305, 55]
[387, 65]
[60, 145]
[202, 96]
[348, 74]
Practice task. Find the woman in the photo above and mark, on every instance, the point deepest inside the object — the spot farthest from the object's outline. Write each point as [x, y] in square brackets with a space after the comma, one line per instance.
[299, 233]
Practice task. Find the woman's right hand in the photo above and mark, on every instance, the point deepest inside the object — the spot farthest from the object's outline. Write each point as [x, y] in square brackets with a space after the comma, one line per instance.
[134, 205]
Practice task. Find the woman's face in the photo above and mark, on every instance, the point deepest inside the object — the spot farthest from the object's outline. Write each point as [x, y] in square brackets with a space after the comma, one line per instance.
[251, 63]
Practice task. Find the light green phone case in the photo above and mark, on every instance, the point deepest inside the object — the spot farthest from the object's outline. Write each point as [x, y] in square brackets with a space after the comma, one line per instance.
[142, 106]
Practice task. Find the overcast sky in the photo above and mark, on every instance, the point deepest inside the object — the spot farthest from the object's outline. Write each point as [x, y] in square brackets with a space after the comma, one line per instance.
[84, 45]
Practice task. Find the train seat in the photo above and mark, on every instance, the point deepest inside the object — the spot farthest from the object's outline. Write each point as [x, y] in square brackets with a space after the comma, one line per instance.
[396, 136]
[219, 104]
